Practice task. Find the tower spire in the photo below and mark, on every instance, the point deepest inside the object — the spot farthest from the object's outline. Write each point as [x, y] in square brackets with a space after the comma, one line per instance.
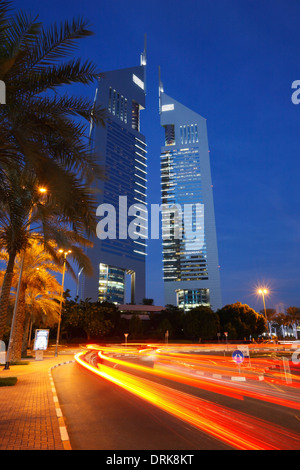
[160, 88]
[144, 53]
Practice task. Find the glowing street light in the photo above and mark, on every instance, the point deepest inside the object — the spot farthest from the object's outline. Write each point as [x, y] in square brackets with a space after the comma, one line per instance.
[41, 190]
[263, 292]
[66, 253]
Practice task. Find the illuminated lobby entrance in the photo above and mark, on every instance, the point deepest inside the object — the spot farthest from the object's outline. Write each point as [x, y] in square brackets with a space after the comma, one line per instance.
[116, 284]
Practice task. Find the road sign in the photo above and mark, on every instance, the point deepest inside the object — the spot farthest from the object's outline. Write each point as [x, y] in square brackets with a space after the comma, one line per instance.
[238, 356]
[244, 348]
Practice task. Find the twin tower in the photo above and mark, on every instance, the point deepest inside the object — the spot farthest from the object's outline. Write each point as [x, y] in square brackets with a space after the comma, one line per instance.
[188, 233]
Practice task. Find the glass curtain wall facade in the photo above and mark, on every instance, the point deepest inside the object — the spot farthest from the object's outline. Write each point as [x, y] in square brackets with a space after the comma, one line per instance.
[190, 263]
[121, 149]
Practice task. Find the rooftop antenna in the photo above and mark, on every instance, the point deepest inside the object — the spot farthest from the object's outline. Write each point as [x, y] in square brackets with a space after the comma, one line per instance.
[160, 89]
[144, 53]
[144, 60]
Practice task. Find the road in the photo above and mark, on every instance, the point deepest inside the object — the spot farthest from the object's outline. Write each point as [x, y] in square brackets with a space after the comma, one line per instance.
[102, 416]
[169, 407]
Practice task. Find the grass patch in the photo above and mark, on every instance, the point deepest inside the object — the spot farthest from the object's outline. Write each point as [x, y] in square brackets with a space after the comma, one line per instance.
[8, 381]
[18, 363]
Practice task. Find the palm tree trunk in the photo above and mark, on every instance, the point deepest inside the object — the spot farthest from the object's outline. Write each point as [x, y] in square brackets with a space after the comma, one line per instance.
[25, 334]
[17, 334]
[5, 292]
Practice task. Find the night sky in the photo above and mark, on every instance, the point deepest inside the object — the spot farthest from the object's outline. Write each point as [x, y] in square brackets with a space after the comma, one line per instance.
[233, 62]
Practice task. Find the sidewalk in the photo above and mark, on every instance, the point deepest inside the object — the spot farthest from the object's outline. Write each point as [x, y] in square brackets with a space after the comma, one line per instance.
[30, 417]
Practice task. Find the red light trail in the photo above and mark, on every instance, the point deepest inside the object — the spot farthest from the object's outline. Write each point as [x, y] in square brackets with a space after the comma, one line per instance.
[238, 430]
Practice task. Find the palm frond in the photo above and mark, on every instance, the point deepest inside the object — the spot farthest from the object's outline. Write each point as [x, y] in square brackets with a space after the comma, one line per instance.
[5, 8]
[56, 43]
[21, 32]
[44, 139]
[50, 77]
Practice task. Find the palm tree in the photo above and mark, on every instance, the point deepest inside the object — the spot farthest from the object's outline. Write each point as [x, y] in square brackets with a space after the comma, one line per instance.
[40, 289]
[15, 203]
[43, 135]
[281, 321]
[293, 317]
[16, 227]
[42, 307]
[38, 126]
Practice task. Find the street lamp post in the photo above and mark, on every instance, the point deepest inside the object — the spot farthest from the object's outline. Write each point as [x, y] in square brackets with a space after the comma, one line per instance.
[263, 292]
[78, 276]
[61, 299]
[41, 190]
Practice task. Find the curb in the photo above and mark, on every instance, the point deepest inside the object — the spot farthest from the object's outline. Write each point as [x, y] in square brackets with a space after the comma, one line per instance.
[232, 378]
[61, 422]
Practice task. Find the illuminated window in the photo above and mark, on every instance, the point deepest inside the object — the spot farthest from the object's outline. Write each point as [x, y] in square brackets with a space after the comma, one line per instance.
[188, 299]
[111, 284]
[169, 134]
[138, 81]
[167, 107]
[135, 115]
[117, 104]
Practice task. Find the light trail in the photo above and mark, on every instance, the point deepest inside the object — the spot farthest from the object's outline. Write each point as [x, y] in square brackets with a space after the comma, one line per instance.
[184, 375]
[238, 430]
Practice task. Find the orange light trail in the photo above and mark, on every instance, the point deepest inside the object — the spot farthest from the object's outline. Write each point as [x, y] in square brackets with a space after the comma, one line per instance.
[182, 375]
[238, 430]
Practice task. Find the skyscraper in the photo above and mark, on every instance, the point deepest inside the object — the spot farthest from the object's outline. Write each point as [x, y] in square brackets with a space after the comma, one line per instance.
[190, 263]
[120, 261]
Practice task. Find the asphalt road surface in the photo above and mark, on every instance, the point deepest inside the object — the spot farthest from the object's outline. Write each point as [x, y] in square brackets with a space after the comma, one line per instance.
[101, 416]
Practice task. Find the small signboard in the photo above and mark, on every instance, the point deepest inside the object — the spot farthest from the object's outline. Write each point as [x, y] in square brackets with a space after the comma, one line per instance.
[238, 356]
[244, 348]
[2, 353]
[41, 340]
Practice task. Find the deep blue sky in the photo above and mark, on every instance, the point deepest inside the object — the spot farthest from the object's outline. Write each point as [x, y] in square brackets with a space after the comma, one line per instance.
[233, 62]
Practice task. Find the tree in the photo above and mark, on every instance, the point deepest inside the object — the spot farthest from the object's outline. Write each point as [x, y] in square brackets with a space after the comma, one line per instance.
[93, 320]
[135, 327]
[39, 287]
[241, 320]
[71, 319]
[42, 309]
[21, 208]
[91, 317]
[41, 133]
[280, 320]
[39, 128]
[14, 207]
[270, 312]
[170, 319]
[164, 326]
[293, 314]
[293, 317]
[201, 323]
